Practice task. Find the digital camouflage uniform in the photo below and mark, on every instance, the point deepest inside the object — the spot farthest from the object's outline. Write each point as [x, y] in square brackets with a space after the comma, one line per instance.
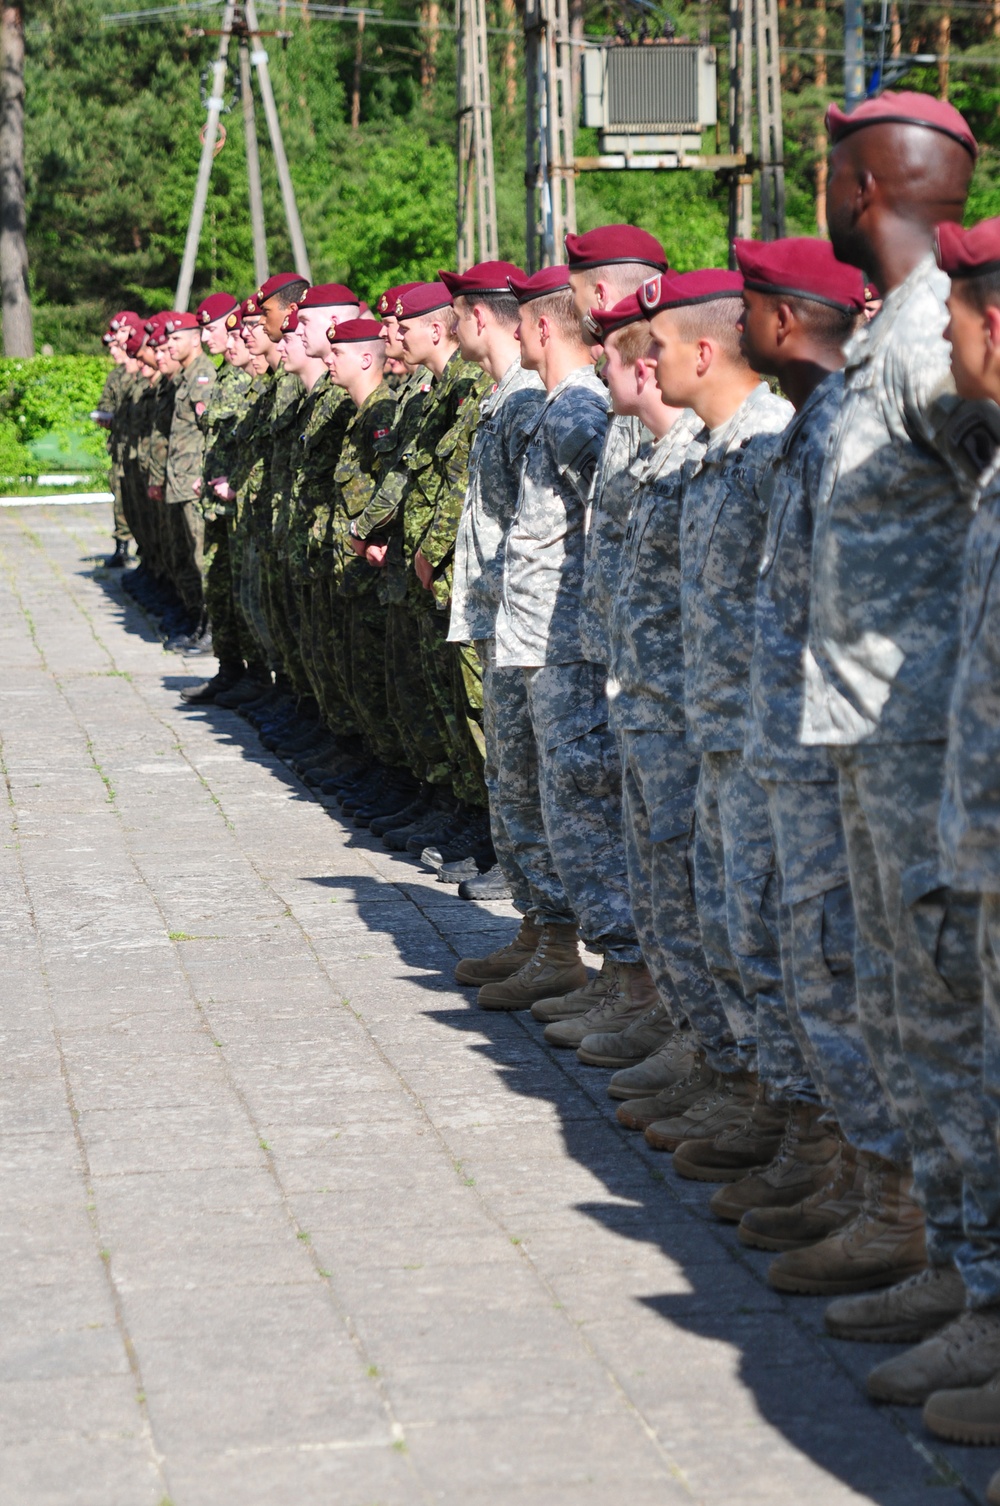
[261, 563]
[538, 629]
[722, 532]
[506, 414]
[816, 913]
[223, 410]
[251, 460]
[970, 844]
[282, 604]
[112, 399]
[883, 641]
[604, 532]
[159, 442]
[185, 459]
[367, 448]
[138, 399]
[660, 772]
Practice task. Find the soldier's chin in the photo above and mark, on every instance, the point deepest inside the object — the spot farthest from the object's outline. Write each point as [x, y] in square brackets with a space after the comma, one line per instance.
[850, 246]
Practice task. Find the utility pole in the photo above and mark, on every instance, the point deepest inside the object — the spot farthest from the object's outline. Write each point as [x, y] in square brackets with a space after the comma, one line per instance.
[259, 59]
[18, 336]
[740, 118]
[215, 105]
[550, 167]
[854, 54]
[253, 167]
[475, 140]
[772, 148]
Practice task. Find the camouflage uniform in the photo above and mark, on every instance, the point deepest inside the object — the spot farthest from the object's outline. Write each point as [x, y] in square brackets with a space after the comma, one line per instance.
[604, 531]
[185, 459]
[816, 913]
[251, 460]
[367, 445]
[113, 397]
[722, 530]
[138, 396]
[281, 598]
[883, 641]
[159, 442]
[660, 772]
[223, 409]
[511, 766]
[538, 629]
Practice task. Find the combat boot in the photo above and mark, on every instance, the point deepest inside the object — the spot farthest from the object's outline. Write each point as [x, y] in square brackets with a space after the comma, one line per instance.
[965, 1353]
[901, 1314]
[592, 995]
[633, 1044]
[486, 886]
[631, 994]
[243, 691]
[803, 1163]
[640, 1113]
[884, 1242]
[970, 1414]
[728, 1102]
[555, 965]
[204, 694]
[415, 810]
[504, 962]
[668, 1064]
[816, 1217]
[747, 1145]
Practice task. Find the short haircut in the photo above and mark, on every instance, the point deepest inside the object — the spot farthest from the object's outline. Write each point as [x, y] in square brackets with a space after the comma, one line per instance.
[829, 326]
[561, 310]
[502, 306]
[631, 341]
[623, 277]
[445, 316]
[981, 292]
[376, 345]
[715, 320]
[292, 292]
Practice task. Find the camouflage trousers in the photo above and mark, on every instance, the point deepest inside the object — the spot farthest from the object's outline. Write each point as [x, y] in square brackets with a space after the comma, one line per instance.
[122, 531]
[580, 784]
[241, 564]
[918, 977]
[659, 780]
[219, 603]
[138, 514]
[442, 676]
[281, 604]
[979, 1260]
[817, 929]
[325, 648]
[411, 704]
[736, 890]
[467, 694]
[365, 628]
[186, 536]
[511, 776]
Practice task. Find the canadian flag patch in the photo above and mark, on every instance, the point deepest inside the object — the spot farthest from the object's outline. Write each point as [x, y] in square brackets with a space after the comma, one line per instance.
[379, 433]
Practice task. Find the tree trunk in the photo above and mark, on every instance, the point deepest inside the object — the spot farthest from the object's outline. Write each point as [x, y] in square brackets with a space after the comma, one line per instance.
[508, 15]
[356, 87]
[430, 19]
[944, 49]
[18, 338]
[822, 166]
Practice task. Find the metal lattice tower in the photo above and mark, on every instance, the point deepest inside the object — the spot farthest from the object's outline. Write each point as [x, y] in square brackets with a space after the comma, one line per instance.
[753, 36]
[550, 168]
[476, 179]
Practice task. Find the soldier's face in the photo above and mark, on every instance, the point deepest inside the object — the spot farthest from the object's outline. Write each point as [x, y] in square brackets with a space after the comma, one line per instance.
[183, 344]
[293, 352]
[417, 339]
[470, 336]
[313, 325]
[236, 351]
[758, 326]
[676, 360]
[273, 315]
[620, 379]
[256, 338]
[344, 363]
[390, 334]
[844, 204]
[974, 357]
[587, 294]
[214, 337]
[530, 339]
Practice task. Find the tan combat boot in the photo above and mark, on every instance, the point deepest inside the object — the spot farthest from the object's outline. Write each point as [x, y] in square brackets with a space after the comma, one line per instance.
[819, 1215]
[500, 964]
[900, 1314]
[620, 1048]
[553, 966]
[966, 1353]
[802, 1166]
[631, 995]
[729, 1102]
[580, 1000]
[970, 1414]
[883, 1244]
[741, 1147]
[668, 1064]
[639, 1113]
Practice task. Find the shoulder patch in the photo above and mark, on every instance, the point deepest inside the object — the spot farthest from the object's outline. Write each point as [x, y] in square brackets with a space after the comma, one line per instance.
[202, 380]
[380, 433]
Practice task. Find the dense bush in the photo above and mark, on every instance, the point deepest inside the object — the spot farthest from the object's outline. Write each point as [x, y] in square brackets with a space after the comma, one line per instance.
[44, 417]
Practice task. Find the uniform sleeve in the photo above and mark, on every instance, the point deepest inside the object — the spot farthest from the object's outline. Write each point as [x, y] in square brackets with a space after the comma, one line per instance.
[452, 465]
[186, 453]
[577, 443]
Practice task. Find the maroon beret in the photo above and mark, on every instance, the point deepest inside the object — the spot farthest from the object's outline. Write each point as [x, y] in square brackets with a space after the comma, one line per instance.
[135, 341]
[968, 253]
[155, 329]
[600, 323]
[906, 108]
[801, 267]
[175, 322]
[539, 284]
[422, 298]
[674, 290]
[107, 337]
[351, 331]
[614, 243]
[127, 319]
[387, 303]
[326, 295]
[215, 306]
[484, 277]
[290, 322]
[872, 294]
[276, 283]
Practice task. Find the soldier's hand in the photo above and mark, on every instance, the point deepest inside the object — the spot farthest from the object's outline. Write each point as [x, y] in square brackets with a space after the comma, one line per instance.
[375, 554]
[223, 490]
[425, 571]
[358, 545]
[155, 493]
[196, 485]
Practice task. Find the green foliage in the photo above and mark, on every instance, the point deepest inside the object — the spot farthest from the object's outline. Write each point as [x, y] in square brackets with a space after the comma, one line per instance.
[44, 415]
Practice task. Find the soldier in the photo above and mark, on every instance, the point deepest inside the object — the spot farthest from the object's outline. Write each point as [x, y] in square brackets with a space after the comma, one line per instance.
[112, 395]
[222, 411]
[883, 641]
[970, 810]
[175, 618]
[538, 631]
[800, 307]
[139, 399]
[185, 458]
[738, 1124]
